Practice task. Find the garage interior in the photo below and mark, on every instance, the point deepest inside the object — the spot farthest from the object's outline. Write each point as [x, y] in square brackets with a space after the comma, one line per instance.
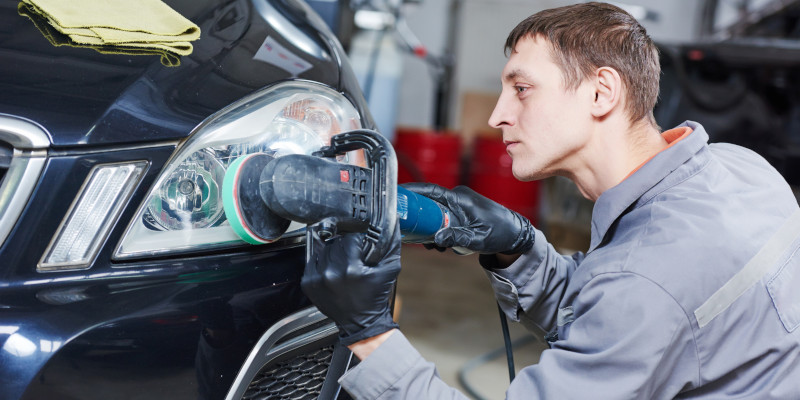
[430, 75]
[430, 71]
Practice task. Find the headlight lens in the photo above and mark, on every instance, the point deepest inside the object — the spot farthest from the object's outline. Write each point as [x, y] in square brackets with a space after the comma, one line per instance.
[183, 211]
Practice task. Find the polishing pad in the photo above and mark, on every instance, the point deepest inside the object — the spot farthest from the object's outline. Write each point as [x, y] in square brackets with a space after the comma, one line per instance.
[247, 213]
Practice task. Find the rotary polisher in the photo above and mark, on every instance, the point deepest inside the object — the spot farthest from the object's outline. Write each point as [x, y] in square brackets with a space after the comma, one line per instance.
[263, 194]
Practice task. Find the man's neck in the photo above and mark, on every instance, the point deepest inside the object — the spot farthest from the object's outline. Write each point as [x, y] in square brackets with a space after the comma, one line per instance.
[617, 148]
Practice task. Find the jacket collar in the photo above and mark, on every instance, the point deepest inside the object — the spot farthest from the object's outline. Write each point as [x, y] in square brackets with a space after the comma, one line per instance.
[616, 201]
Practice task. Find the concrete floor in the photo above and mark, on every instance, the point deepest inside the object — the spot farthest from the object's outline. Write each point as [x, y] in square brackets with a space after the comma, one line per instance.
[447, 310]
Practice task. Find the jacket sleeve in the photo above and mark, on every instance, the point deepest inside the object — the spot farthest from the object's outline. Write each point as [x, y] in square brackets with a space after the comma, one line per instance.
[609, 347]
[396, 370]
[623, 337]
[530, 290]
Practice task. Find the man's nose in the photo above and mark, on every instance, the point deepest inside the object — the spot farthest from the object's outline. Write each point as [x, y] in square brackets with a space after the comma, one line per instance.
[501, 115]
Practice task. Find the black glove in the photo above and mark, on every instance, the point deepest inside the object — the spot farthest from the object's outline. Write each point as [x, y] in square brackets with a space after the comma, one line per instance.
[353, 295]
[486, 227]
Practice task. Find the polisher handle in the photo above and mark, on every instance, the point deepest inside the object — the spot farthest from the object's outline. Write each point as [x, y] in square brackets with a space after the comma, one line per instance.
[382, 162]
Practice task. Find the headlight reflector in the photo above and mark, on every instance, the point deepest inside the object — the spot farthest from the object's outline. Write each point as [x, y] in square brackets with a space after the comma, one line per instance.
[189, 198]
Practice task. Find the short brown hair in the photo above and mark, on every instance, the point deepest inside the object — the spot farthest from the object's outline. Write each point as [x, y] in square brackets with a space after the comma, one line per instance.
[587, 36]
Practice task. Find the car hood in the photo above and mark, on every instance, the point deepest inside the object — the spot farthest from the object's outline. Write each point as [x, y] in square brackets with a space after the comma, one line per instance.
[86, 98]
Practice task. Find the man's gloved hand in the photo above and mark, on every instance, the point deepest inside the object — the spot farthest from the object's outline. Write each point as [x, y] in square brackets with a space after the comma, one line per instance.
[350, 293]
[486, 227]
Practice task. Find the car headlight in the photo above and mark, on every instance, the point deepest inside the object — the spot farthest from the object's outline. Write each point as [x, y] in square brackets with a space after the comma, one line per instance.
[184, 212]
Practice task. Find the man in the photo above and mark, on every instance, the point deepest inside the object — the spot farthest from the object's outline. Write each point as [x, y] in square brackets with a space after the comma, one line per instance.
[689, 288]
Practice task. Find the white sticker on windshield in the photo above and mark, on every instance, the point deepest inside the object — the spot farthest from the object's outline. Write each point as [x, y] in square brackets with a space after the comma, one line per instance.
[272, 52]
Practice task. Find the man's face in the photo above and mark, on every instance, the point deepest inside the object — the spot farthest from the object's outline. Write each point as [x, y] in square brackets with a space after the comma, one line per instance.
[545, 126]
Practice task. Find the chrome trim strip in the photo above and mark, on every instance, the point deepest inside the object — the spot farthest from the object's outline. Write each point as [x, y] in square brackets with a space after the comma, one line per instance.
[30, 141]
[310, 337]
[23, 133]
[265, 350]
[18, 184]
[137, 146]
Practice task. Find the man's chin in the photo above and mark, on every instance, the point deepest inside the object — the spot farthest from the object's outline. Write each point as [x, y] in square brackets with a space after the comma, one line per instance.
[528, 176]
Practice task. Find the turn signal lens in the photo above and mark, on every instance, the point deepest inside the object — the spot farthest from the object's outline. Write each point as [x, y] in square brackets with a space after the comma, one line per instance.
[105, 191]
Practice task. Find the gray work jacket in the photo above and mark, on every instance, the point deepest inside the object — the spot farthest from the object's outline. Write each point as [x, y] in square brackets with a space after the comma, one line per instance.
[690, 289]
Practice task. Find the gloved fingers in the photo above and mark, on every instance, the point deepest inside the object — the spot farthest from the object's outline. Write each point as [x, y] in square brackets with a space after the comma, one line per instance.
[433, 246]
[345, 255]
[349, 245]
[314, 252]
[392, 256]
[462, 251]
[467, 191]
[454, 237]
[328, 260]
[444, 238]
[526, 237]
[352, 294]
[430, 190]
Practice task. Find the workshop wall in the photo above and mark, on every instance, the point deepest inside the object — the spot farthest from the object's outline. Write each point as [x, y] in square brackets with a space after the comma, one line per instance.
[481, 29]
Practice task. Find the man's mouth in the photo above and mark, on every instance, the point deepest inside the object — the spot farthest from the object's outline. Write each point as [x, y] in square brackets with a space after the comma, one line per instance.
[510, 144]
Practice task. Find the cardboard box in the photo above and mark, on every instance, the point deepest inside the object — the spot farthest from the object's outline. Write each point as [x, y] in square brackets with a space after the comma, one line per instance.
[476, 108]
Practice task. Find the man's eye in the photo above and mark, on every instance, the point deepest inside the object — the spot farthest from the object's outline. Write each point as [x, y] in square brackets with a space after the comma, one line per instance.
[520, 89]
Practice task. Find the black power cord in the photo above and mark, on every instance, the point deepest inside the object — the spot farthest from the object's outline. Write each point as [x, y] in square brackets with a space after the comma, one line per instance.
[496, 353]
[507, 342]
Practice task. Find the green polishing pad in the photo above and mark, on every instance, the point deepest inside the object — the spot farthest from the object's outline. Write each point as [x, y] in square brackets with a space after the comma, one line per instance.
[247, 214]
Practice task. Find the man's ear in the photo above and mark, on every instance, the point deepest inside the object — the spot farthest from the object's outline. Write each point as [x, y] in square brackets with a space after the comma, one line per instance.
[607, 91]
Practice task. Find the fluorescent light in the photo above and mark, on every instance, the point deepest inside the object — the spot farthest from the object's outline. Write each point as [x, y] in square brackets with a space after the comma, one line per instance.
[90, 217]
[373, 20]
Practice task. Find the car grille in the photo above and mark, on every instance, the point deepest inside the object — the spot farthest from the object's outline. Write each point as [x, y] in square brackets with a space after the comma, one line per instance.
[299, 378]
[297, 358]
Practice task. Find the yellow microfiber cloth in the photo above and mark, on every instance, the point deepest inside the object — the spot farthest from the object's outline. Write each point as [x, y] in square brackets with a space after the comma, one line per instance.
[114, 26]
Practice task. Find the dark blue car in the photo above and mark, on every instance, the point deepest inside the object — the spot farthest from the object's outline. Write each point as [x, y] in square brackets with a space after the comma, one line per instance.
[120, 277]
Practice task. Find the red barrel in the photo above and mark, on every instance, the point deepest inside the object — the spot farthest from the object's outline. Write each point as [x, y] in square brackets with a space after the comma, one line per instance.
[428, 156]
[490, 175]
